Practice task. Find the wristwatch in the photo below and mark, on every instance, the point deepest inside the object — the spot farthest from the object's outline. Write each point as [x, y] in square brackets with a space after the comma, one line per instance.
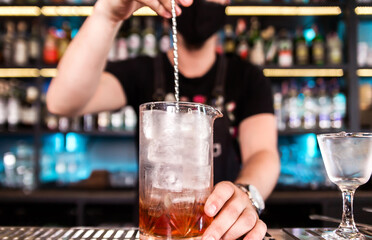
[254, 195]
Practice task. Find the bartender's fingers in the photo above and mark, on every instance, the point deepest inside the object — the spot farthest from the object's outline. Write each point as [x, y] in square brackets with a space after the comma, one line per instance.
[168, 5]
[160, 8]
[157, 7]
[234, 206]
[258, 232]
[222, 192]
[245, 223]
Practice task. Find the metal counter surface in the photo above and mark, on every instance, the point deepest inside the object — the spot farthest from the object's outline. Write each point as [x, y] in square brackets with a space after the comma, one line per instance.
[85, 233]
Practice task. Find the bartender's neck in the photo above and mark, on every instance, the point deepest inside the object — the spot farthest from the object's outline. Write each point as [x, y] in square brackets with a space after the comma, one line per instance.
[193, 63]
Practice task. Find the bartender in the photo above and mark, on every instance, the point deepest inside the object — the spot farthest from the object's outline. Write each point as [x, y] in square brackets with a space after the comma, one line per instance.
[245, 145]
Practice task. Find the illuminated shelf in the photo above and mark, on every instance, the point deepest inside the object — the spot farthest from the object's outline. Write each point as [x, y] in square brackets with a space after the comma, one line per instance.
[282, 11]
[303, 72]
[363, 10]
[51, 11]
[83, 11]
[145, 11]
[48, 72]
[21, 11]
[364, 72]
[19, 72]
[268, 72]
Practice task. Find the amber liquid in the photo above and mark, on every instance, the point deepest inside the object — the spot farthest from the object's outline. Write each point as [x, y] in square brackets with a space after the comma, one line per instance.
[181, 220]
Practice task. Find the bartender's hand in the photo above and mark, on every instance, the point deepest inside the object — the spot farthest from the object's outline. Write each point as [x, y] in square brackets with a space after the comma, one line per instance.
[118, 10]
[234, 215]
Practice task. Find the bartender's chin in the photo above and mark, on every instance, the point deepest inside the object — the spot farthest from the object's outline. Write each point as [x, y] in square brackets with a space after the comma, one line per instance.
[194, 46]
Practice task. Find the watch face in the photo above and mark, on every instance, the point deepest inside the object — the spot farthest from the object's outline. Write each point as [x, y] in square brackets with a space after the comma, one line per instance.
[257, 197]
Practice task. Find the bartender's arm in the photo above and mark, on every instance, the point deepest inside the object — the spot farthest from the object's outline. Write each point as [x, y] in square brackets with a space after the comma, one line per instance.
[81, 85]
[232, 208]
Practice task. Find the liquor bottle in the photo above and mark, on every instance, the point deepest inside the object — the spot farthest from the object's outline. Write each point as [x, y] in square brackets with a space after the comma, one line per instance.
[130, 118]
[270, 44]
[285, 49]
[165, 42]
[294, 116]
[20, 45]
[148, 38]
[278, 110]
[50, 51]
[325, 106]
[257, 55]
[63, 124]
[229, 43]
[89, 122]
[285, 104]
[309, 108]
[9, 162]
[103, 121]
[30, 116]
[318, 48]
[8, 47]
[134, 38]
[65, 40]
[34, 48]
[334, 49]
[121, 46]
[254, 32]
[338, 106]
[3, 104]
[242, 47]
[25, 166]
[14, 106]
[117, 120]
[76, 124]
[51, 121]
[302, 51]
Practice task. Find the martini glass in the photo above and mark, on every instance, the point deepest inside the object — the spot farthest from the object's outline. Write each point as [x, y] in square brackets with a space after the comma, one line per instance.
[348, 161]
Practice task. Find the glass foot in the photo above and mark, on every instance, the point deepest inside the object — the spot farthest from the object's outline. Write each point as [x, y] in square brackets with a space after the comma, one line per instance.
[340, 234]
[149, 237]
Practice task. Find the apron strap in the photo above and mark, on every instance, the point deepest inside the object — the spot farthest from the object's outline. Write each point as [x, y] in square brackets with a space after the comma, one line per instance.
[219, 87]
[159, 79]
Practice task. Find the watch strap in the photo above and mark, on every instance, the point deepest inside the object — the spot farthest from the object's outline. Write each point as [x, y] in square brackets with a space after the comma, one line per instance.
[255, 204]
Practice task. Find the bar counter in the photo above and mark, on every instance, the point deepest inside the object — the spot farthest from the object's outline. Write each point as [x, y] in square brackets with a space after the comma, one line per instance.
[86, 233]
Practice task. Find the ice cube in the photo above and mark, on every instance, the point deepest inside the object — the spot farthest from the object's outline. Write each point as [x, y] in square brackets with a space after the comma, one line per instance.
[156, 208]
[203, 126]
[186, 199]
[198, 125]
[196, 151]
[164, 151]
[196, 177]
[147, 121]
[169, 177]
[187, 122]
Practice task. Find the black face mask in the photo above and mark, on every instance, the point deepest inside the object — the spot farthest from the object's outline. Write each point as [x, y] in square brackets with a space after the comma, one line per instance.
[200, 21]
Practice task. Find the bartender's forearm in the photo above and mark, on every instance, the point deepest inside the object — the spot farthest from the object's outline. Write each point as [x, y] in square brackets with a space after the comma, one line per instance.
[81, 67]
[262, 171]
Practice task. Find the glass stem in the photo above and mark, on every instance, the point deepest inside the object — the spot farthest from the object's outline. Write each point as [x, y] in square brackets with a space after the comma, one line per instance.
[347, 215]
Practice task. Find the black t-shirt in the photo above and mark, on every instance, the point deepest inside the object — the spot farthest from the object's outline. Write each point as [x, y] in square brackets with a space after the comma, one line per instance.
[246, 93]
